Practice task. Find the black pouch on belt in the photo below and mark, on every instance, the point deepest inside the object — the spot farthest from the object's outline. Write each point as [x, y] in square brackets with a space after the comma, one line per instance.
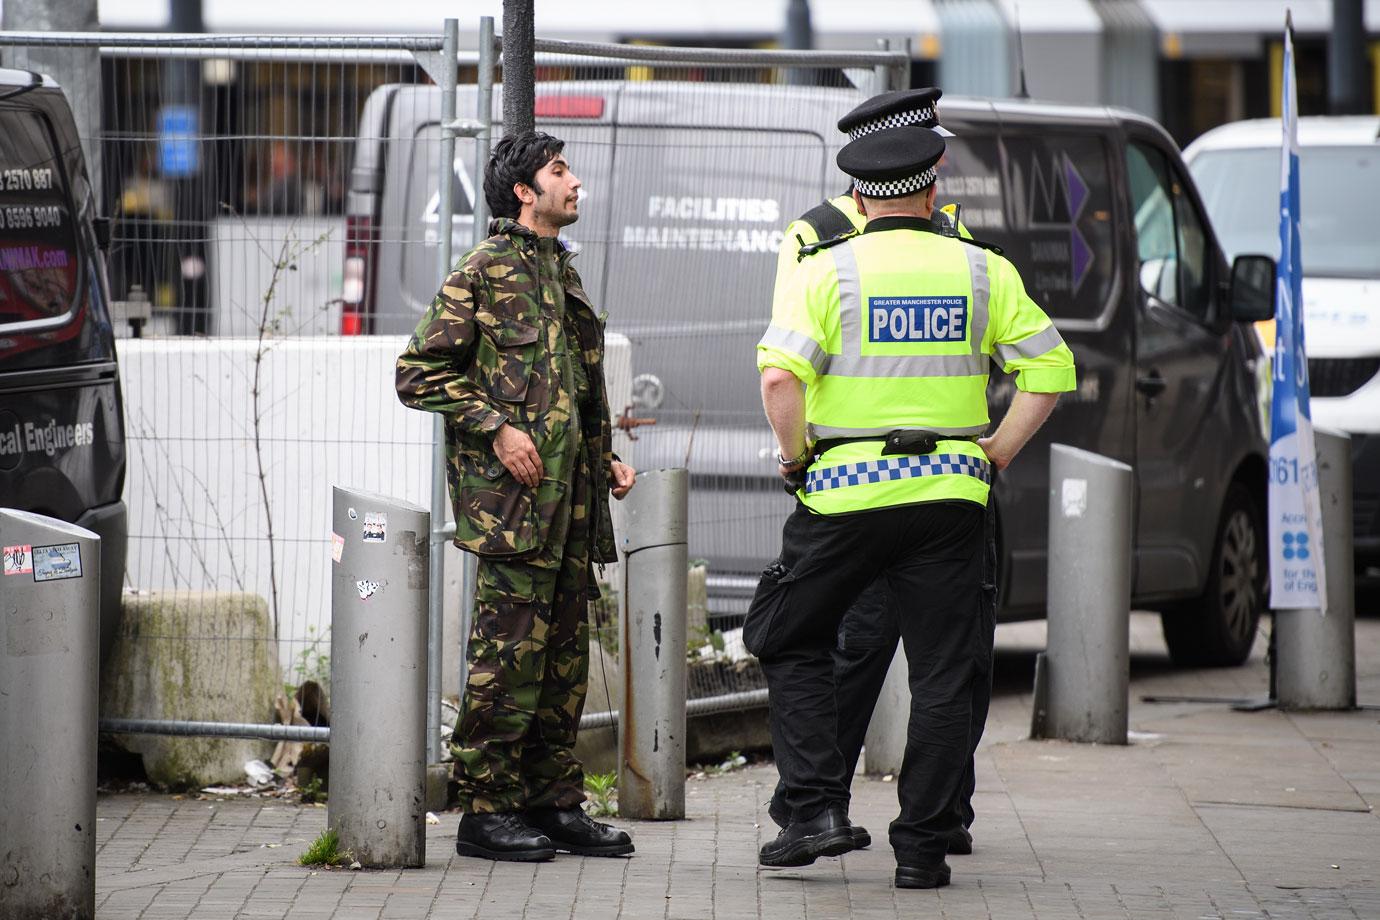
[910, 441]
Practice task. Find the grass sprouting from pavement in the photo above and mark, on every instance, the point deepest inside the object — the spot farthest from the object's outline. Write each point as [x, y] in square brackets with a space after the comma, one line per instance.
[325, 851]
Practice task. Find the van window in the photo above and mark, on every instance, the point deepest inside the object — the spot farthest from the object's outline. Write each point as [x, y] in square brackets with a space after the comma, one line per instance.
[1339, 220]
[420, 234]
[1171, 241]
[1059, 232]
[38, 244]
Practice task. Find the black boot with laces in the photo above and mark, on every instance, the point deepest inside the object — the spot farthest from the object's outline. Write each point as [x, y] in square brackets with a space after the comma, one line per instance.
[503, 836]
[573, 831]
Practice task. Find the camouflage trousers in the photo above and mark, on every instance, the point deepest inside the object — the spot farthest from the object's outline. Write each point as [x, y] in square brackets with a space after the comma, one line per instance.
[514, 745]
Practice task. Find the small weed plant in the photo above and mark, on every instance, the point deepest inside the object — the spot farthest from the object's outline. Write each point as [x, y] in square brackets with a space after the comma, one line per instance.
[325, 851]
[314, 791]
[602, 790]
[313, 662]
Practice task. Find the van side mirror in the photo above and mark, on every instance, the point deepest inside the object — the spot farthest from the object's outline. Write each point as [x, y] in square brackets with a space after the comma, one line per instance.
[1252, 288]
[101, 227]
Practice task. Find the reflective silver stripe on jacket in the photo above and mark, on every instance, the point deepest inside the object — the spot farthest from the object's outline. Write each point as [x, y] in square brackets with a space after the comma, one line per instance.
[797, 343]
[888, 469]
[853, 363]
[820, 432]
[1046, 340]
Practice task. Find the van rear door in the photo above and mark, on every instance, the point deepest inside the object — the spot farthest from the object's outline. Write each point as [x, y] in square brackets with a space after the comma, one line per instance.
[61, 436]
[705, 179]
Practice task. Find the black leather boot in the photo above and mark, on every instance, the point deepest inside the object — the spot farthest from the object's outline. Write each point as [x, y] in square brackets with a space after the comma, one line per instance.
[504, 836]
[933, 876]
[778, 812]
[960, 842]
[828, 833]
[573, 831]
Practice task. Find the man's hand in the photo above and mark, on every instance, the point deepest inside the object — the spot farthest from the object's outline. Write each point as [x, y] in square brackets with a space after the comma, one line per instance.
[624, 477]
[1026, 414]
[517, 452]
[992, 449]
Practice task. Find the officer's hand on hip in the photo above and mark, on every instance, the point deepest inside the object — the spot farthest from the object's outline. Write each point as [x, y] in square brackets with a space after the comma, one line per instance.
[516, 451]
[624, 477]
[998, 459]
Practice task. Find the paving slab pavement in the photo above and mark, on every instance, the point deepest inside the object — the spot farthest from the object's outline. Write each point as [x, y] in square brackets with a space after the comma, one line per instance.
[1209, 813]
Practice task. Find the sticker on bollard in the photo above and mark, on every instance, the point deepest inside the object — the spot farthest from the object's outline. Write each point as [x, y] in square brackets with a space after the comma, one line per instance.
[19, 560]
[53, 563]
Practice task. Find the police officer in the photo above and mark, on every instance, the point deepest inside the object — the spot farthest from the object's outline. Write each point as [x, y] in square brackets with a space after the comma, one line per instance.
[891, 333]
[868, 635]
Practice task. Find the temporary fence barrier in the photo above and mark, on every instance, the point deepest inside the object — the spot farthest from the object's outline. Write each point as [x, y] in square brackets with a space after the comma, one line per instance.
[277, 203]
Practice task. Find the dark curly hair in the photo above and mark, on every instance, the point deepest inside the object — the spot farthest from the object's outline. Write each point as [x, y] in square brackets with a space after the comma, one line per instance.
[517, 158]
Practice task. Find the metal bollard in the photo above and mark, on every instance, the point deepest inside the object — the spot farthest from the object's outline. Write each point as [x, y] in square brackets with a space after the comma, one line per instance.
[50, 594]
[1315, 667]
[379, 678]
[885, 742]
[1089, 597]
[651, 763]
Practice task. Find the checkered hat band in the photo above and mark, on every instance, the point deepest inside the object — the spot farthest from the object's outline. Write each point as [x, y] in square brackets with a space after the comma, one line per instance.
[888, 469]
[921, 117]
[895, 188]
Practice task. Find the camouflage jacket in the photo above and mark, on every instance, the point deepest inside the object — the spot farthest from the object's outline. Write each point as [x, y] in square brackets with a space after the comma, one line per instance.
[492, 349]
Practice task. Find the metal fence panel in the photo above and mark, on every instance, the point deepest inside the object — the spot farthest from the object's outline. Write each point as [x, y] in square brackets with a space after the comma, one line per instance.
[275, 196]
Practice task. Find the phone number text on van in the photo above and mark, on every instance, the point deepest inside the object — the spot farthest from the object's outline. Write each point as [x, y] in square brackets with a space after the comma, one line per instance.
[26, 217]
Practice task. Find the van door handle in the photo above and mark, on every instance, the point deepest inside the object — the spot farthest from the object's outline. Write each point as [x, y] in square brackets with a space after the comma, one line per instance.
[1153, 385]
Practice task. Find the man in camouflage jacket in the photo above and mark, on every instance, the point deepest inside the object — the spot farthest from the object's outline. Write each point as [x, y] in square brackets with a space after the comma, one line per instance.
[511, 354]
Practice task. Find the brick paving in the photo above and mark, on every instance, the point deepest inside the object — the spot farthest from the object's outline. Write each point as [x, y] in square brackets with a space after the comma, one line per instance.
[1209, 813]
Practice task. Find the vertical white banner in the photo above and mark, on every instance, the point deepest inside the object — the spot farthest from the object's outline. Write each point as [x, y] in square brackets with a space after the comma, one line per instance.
[1296, 550]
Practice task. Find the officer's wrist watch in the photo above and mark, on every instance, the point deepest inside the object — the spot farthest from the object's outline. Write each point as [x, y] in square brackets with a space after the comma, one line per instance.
[794, 461]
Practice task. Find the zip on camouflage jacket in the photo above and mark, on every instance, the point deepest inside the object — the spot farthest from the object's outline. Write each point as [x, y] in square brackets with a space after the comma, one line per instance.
[492, 348]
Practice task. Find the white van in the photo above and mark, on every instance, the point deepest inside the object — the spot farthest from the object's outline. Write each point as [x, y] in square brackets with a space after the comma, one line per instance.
[1237, 169]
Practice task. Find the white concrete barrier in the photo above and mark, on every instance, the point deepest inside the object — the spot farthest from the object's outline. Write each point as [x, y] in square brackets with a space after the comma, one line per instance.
[199, 513]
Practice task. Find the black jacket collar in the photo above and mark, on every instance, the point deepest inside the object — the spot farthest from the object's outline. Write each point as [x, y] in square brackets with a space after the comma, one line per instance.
[901, 223]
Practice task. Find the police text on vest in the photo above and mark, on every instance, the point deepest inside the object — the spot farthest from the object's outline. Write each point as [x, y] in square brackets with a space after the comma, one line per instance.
[918, 319]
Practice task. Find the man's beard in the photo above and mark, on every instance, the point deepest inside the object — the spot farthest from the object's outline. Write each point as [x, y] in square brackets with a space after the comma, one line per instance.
[559, 217]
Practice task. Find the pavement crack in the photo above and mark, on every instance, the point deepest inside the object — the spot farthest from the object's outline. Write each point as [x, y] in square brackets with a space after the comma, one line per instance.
[1025, 832]
[1329, 808]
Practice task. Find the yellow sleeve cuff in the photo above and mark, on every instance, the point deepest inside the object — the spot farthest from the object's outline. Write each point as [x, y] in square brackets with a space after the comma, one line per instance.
[786, 361]
[1047, 380]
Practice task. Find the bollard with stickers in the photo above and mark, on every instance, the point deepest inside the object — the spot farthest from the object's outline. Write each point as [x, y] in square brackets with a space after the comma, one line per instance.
[378, 678]
[50, 595]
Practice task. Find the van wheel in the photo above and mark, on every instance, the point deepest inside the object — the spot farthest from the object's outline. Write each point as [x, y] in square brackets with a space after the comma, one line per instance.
[1218, 629]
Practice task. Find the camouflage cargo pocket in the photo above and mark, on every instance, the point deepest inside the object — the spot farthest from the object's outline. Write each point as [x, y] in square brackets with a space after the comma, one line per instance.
[495, 515]
[507, 350]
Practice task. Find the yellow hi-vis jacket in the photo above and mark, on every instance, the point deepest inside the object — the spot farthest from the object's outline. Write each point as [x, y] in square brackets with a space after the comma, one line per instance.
[801, 232]
[896, 328]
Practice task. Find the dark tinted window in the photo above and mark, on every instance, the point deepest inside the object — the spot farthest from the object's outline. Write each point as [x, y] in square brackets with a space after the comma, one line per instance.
[38, 253]
[1171, 241]
[1059, 209]
[1047, 202]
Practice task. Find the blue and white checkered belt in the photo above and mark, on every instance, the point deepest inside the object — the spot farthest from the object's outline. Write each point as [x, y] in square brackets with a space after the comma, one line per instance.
[900, 467]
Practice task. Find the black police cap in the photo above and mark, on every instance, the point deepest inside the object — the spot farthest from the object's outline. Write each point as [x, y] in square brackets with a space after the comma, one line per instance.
[894, 110]
[892, 162]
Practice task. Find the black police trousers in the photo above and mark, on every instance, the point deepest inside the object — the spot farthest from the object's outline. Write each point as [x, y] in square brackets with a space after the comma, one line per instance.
[931, 558]
[867, 643]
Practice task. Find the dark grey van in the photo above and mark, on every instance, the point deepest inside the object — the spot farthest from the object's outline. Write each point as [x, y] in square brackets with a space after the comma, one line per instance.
[62, 439]
[689, 187]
